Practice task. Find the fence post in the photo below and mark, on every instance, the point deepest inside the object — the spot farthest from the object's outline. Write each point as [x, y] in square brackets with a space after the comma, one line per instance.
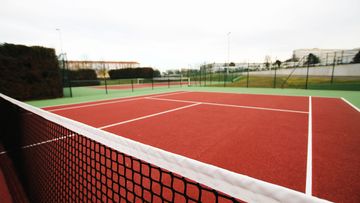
[200, 76]
[219, 74]
[66, 75]
[247, 77]
[104, 70]
[205, 74]
[327, 55]
[333, 69]
[106, 90]
[225, 75]
[211, 76]
[307, 74]
[275, 78]
[132, 85]
[180, 79]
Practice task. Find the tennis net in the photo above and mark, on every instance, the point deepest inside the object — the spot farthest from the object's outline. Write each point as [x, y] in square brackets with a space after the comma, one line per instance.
[61, 160]
[165, 81]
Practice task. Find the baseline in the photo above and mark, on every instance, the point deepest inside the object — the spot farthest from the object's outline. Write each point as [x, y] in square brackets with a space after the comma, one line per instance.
[102, 102]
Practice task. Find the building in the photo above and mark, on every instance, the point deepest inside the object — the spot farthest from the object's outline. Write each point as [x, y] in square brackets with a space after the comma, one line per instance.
[327, 56]
[97, 65]
[214, 67]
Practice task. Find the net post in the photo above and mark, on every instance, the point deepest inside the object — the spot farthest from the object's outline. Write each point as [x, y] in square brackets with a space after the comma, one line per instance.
[168, 82]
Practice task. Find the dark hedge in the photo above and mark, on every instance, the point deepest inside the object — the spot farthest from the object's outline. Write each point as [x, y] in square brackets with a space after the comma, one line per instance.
[126, 73]
[82, 77]
[29, 72]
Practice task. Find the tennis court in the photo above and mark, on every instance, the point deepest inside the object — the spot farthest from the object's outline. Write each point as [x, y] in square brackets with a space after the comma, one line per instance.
[306, 144]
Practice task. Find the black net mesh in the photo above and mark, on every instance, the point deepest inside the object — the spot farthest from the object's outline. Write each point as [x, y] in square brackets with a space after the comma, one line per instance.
[55, 164]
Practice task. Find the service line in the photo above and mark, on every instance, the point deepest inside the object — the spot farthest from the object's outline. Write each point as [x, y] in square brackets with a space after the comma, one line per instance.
[229, 105]
[148, 116]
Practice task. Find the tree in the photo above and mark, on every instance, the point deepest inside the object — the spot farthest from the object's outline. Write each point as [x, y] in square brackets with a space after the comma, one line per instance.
[278, 63]
[169, 72]
[312, 59]
[156, 73]
[231, 64]
[267, 61]
[102, 73]
[356, 58]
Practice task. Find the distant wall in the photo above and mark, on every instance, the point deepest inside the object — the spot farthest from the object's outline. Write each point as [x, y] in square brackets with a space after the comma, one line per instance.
[340, 70]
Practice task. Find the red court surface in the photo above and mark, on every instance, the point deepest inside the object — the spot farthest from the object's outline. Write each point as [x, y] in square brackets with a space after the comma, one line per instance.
[261, 136]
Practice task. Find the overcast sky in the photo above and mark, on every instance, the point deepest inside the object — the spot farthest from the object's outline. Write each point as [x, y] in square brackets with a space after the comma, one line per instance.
[180, 33]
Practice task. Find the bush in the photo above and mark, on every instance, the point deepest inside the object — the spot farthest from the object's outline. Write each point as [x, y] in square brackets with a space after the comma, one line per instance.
[126, 73]
[312, 59]
[82, 74]
[29, 72]
[356, 58]
[81, 77]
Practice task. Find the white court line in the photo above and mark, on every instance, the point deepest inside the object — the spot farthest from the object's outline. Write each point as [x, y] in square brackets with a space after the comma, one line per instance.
[308, 188]
[148, 116]
[96, 104]
[230, 105]
[352, 105]
[44, 142]
[110, 102]
[104, 100]
[108, 126]
[170, 94]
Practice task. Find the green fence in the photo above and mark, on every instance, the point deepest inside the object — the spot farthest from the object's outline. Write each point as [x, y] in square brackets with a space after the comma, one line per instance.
[104, 86]
[327, 77]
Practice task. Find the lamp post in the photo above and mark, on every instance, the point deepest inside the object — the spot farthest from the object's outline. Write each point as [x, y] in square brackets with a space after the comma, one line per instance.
[228, 51]
[60, 39]
[228, 59]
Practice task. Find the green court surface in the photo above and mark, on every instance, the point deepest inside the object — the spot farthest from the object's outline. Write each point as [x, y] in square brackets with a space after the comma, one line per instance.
[86, 94]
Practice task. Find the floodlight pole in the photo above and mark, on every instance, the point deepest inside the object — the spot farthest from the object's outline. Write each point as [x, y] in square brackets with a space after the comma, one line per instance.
[228, 52]
[60, 38]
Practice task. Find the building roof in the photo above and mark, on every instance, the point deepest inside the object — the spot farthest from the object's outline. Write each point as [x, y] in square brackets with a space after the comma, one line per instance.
[108, 62]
